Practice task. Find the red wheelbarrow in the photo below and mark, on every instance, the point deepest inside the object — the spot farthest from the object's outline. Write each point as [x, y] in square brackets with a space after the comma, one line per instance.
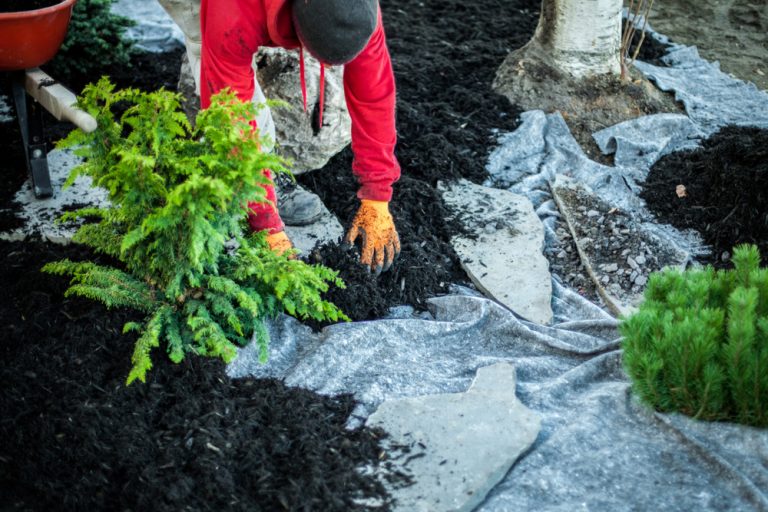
[29, 39]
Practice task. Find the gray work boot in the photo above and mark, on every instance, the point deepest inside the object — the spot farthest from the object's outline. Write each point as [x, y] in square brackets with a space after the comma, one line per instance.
[297, 205]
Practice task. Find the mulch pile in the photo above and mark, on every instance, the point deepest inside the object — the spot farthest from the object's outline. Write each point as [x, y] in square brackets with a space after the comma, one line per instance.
[726, 191]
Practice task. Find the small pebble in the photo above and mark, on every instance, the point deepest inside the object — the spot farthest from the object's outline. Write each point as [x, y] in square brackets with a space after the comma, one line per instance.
[632, 263]
[593, 213]
[640, 260]
[641, 280]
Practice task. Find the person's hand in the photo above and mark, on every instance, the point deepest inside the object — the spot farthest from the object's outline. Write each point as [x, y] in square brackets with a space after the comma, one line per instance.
[380, 242]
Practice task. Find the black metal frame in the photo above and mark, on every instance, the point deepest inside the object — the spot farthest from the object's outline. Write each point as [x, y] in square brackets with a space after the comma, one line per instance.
[30, 116]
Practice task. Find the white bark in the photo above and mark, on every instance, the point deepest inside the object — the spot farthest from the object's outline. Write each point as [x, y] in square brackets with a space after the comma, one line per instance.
[581, 37]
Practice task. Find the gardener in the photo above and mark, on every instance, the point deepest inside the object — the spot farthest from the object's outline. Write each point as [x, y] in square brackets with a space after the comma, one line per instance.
[335, 32]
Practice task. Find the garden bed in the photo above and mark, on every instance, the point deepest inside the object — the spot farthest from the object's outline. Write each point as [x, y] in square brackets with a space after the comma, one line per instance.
[191, 438]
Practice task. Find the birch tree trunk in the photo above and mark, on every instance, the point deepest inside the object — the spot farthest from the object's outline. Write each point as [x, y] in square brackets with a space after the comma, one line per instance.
[581, 37]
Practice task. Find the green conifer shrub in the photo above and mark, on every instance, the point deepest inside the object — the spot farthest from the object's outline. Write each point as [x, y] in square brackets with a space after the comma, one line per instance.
[699, 342]
[178, 202]
[95, 40]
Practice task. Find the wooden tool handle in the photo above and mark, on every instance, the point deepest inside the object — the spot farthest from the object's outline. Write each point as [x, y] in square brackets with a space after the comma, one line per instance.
[57, 99]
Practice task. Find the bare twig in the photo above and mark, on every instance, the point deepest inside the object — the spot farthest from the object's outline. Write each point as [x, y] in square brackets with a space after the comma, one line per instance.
[634, 9]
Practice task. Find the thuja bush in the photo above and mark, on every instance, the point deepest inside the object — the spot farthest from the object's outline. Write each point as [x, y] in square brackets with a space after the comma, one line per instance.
[178, 200]
[95, 40]
[699, 342]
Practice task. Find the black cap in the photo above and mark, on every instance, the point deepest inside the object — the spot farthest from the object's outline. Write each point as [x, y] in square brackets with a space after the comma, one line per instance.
[334, 31]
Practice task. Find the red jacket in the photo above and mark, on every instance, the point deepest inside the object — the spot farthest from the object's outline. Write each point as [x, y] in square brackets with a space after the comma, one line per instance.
[233, 30]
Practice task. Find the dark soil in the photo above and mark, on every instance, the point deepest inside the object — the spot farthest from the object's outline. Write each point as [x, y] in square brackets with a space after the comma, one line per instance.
[26, 5]
[445, 55]
[651, 50]
[726, 185]
[75, 438]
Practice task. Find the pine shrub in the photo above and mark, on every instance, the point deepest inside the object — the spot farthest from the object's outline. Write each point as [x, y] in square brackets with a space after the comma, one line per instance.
[699, 342]
[176, 225]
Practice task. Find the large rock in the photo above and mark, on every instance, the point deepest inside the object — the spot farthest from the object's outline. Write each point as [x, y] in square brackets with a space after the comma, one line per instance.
[505, 259]
[278, 75]
[461, 444]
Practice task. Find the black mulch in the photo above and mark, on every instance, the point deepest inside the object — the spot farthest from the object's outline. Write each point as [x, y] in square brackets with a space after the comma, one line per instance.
[445, 55]
[26, 5]
[74, 437]
[651, 50]
[726, 185]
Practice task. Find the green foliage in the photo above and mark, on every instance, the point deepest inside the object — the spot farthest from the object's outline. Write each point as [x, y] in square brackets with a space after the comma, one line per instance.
[94, 42]
[699, 342]
[178, 200]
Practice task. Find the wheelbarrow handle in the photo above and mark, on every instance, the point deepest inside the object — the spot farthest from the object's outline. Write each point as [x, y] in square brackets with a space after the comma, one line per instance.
[57, 99]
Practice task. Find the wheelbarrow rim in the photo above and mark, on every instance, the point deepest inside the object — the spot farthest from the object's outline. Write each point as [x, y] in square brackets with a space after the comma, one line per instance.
[36, 12]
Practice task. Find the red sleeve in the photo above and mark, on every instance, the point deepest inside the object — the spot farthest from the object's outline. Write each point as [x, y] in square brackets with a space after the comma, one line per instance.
[369, 87]
[232, 31]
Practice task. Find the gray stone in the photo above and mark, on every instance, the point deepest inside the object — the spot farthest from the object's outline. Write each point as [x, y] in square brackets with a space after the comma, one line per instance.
[611, 267]
[278, 74]
[641, 280]
[640, 260]
[326, 229]
[507, 265]
[462, 443]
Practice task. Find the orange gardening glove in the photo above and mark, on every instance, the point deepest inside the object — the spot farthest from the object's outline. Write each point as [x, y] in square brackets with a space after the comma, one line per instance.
[375, 225]
[279, 243]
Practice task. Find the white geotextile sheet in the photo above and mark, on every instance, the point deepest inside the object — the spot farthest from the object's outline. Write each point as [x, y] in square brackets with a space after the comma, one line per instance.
[598, 449]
